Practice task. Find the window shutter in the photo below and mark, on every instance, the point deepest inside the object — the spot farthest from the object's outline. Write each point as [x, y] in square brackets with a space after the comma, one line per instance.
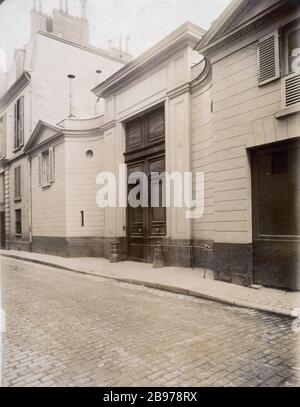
[268, 58]
[51, 165]
[3, 138]
[16, 181]
[40, 170]
[16, 125]
[19, 181]
[17, 177]
[21, 121]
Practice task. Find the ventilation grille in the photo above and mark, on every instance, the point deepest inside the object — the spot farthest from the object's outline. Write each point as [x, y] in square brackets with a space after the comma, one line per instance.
[268, 59]
[291, 89]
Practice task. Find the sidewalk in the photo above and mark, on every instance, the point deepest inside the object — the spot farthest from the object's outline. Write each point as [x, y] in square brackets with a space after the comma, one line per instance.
[194, 282]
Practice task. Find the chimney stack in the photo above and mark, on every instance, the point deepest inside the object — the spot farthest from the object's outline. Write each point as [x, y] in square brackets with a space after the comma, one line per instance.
[83, 9]
[40, 6]
[66, 6]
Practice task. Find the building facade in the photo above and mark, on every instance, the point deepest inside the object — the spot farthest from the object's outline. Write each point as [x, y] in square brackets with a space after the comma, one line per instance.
[235, 117]
[224, 103]
[47, 82]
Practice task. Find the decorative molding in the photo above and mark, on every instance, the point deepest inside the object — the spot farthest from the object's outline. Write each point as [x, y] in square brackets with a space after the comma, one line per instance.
[187, 34]
[180, 90]
[17, 87]
[109, 125]
[41, 125]
[288, 112]
[245, 30]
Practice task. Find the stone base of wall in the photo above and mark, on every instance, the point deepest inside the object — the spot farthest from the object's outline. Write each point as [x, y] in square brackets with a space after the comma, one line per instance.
[15, 244]
[233, 263]
[229, 262]
[71, 247]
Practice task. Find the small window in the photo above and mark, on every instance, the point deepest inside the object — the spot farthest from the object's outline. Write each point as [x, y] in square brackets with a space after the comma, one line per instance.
[17, 178]
[18, 215]
[89, 154]
[82, 218]
[280, 162]
[19, 123]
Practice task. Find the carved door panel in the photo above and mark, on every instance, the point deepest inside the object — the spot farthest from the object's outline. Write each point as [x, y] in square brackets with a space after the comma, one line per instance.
[145, 151]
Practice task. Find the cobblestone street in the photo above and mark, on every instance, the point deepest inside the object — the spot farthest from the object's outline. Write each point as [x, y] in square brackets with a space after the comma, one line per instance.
[67, 329]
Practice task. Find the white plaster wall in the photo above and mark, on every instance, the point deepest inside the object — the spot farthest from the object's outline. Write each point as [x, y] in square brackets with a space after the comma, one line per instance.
[50, 85]
[202, 154]
[81, 188]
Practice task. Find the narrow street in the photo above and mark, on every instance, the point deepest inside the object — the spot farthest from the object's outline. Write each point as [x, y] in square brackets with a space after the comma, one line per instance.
[67, 329]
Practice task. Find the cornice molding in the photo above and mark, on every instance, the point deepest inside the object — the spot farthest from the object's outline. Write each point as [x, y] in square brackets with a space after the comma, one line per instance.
[109, 125]
[16, 88]
[180, 90]
[187, 34]
[249, 28]
[203, 79]
[93, 50]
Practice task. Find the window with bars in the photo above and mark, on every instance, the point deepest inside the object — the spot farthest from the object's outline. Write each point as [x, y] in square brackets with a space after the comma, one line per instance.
[17, 178]
[18, 221]
[19, 123]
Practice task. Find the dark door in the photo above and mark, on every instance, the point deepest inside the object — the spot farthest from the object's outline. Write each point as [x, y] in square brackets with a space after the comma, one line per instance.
[145, 152]
[276, 214]
[2, 229]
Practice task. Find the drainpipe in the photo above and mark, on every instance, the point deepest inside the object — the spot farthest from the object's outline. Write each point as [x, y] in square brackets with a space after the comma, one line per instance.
[30, 203]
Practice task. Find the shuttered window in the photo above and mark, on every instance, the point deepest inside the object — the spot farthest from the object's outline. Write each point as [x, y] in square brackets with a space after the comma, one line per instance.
[18, 219]
[17, 180]
[19, 123]
[268, 59]
[46, 167]
[291, 90]
[3, 135]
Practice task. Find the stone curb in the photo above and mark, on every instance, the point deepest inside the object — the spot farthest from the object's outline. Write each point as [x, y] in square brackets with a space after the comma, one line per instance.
[166, 287]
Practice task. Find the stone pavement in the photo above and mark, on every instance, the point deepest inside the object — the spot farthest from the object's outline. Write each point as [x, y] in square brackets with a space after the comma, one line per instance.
[194, 282]
[71, 329]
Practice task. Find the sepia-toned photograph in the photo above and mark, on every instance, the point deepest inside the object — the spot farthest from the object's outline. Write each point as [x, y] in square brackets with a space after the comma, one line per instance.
[149, 196]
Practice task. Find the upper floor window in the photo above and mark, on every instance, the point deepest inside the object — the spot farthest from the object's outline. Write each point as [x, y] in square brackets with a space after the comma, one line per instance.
[291, 48]
[3, 135]
[19, 123]
[17, 176]
[279, 56]
[46, 168]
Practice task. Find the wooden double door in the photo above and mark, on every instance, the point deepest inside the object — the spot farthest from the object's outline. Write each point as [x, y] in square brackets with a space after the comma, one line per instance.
[276, 214]
[145, 154]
